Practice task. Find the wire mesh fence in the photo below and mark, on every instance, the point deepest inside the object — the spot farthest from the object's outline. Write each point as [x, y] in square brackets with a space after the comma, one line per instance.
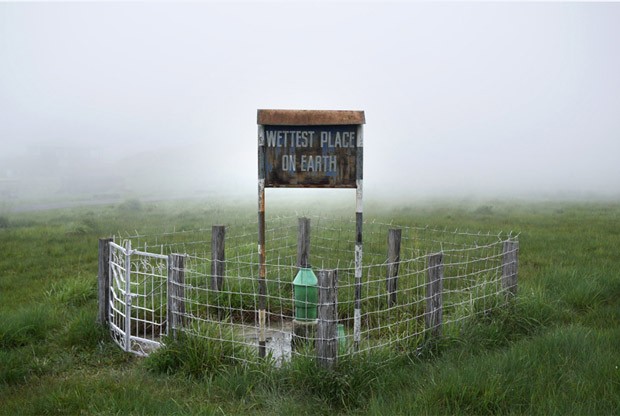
[437, 279]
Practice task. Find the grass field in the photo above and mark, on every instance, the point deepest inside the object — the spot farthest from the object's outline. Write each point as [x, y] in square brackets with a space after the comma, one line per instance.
[555, 351]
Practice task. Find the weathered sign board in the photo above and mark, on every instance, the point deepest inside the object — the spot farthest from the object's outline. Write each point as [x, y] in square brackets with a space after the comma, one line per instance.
[311, 149]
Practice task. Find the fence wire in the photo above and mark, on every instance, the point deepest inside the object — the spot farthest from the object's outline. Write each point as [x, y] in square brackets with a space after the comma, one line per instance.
[472, 266]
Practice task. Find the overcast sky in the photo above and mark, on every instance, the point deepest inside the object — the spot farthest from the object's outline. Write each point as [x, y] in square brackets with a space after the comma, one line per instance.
[460, 97]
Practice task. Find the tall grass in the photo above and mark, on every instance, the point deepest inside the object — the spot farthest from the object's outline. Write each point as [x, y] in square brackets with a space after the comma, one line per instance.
[569, 370]
[197, 352]
[27, 325]
[554, 351]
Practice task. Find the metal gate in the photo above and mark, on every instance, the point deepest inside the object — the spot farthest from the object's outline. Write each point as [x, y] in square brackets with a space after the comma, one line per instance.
[138, 295]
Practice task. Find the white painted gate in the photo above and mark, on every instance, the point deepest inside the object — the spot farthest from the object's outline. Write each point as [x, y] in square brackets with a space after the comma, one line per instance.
[138, 295]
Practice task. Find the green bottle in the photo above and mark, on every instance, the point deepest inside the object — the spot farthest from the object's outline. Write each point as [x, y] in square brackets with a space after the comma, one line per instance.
[306, 295]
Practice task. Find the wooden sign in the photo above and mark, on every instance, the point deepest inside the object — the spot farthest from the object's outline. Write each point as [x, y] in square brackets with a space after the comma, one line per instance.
[311, 149]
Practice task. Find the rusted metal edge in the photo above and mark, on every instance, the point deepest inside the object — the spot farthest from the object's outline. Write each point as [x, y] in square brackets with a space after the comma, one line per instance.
[309, 117]
[328, 186]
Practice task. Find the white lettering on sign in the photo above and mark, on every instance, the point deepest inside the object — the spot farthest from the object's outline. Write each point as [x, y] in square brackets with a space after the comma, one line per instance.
[310, 163]
[318, 163]
[311, 155]
[290, 138]
[305, 138]
[288, 163]
[339, 139]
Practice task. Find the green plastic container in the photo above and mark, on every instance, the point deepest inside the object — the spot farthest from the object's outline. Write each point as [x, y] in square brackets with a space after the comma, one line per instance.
[342, 341]
[306, 295]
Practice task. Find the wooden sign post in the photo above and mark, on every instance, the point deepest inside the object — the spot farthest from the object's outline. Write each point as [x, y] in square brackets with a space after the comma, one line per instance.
[309, 149]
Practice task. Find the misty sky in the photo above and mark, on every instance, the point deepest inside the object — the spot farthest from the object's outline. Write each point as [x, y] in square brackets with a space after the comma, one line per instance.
[461, 97]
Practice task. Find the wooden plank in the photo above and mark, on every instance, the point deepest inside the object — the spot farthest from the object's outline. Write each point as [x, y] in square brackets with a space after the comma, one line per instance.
[176, 293]
[262, 287]
[218, 257]
[393, 260]
[357, 305]
[103, 279]
[327, 324]
[128, 297]
[303, 243]
[359, 246]
[309, 117]
[434, 292]
[262, 272]
[303, 331]
[510, 263]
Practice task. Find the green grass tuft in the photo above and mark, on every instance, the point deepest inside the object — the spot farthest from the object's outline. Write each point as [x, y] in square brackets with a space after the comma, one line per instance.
[27, 325]
[82, 333]
[354, 381]
[199, 354]
[74, 292]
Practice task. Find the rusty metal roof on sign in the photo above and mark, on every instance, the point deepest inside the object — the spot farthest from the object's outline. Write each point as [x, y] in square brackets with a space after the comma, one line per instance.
[310, 117]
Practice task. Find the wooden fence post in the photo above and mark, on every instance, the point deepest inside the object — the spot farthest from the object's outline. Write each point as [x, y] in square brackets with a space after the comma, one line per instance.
[393, 260]
[103, 281]
[510, 262]
[128, 297]
[303, 331]
[218, 257]
[303, 243]
[327, 325]
[434, 289]
[176, 293]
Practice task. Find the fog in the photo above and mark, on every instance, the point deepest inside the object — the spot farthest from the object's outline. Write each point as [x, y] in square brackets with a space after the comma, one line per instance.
[105, 100]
